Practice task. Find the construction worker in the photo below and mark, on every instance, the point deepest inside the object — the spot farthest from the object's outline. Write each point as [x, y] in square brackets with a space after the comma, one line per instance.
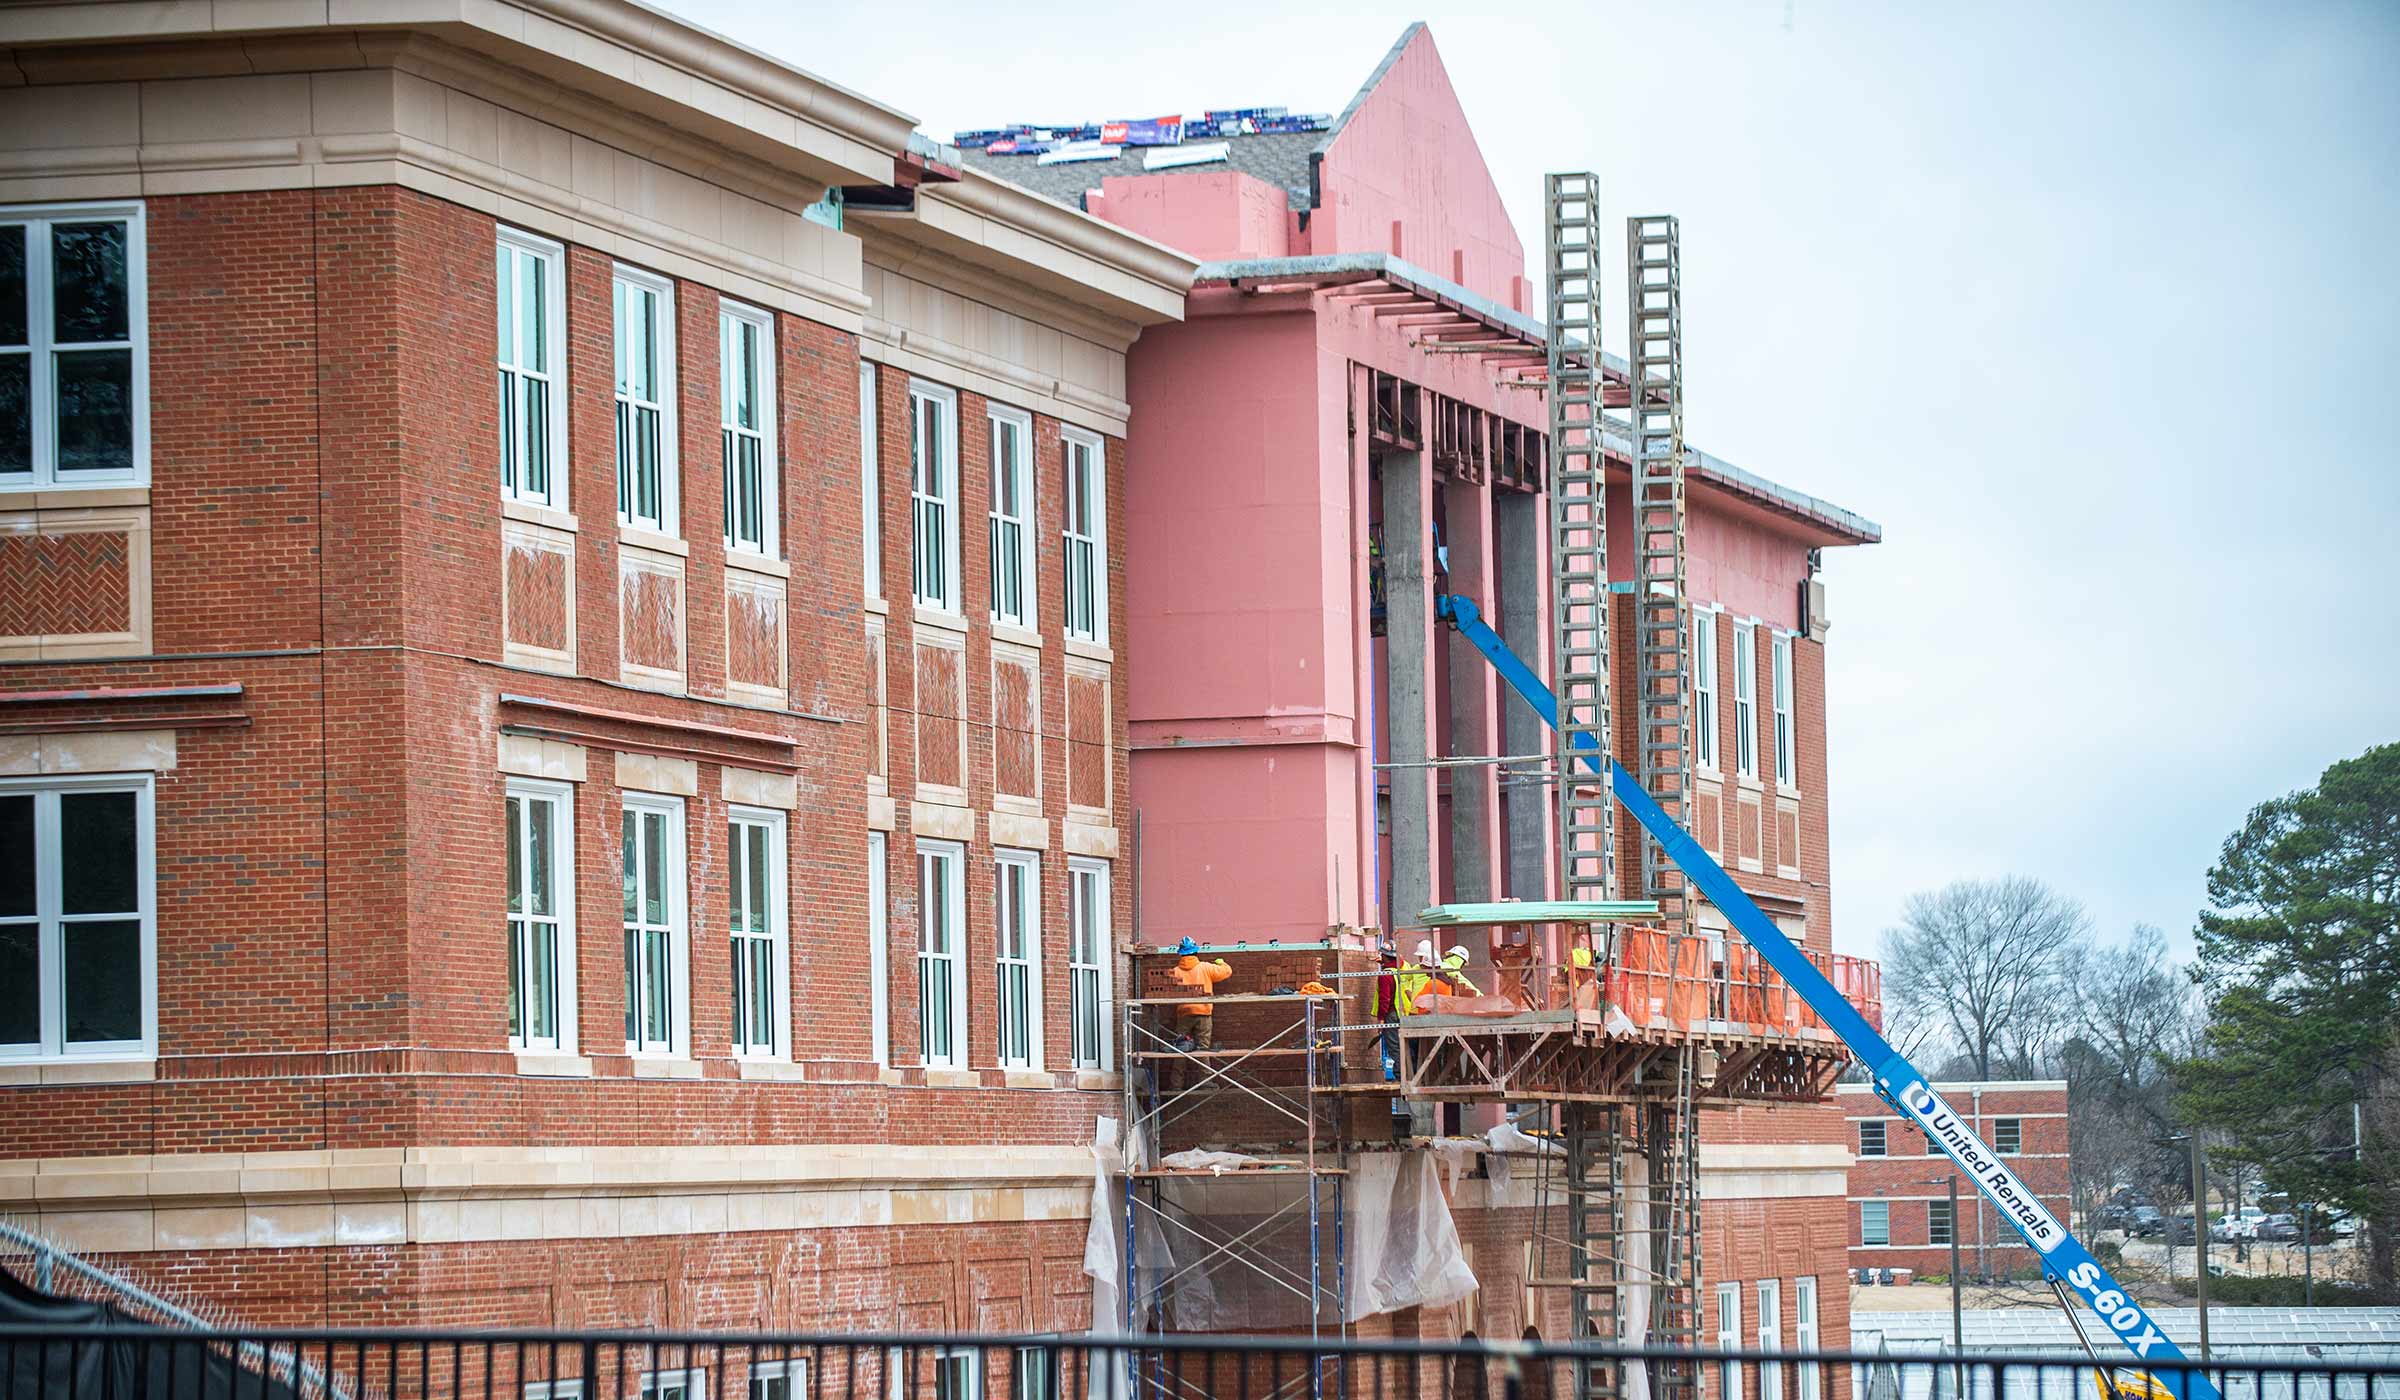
[1387, 1008]
[1195, 1020]
[1413, 980]
[1454, 971]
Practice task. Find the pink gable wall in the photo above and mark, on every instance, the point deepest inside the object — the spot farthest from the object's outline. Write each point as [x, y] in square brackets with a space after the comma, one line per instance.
[1404, 176]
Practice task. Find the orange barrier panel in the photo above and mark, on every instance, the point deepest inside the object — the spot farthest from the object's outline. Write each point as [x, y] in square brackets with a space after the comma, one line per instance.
[1688, 997]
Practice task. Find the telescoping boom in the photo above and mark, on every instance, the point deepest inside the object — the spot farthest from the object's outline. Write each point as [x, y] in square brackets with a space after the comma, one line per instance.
[1896, 1080]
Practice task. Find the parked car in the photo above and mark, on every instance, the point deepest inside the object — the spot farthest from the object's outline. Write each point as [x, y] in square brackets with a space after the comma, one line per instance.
[2345, 1226]
[2279, 1227]
[2145, 1220]
[2243, 1224]
[2179, 1230]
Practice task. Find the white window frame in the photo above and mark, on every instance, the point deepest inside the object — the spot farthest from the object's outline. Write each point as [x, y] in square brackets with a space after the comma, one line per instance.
[694, 1383]
[1770, 1337]
[1729, 1338]
[1866, 1209]
[1787, 733]
[1011, 537]
[2016, 1134]
[1039, 1381]
[1805, 1337]
[950, 958]
[1091, 979]
[777, 936]
[792, 1371]
[626, 283]
[1084, 549]
[562, 845]
[879, 945]
[40, 346]
[568, 1388]
[1949, 1230]
[50, 921]
[1745, 700]
[870, 482]
[1704, 689]
[933, 499]
[731, 317]
[1883, 1138]
[1017, 958]
[966, 1363]
[677, 931]
[514, 244]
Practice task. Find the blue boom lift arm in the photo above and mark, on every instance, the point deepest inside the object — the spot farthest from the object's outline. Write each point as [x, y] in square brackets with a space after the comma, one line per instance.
[1896, 1080]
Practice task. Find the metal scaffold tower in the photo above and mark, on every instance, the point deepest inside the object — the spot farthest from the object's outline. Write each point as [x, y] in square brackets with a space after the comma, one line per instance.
[1670, 1128]
[1578, 531]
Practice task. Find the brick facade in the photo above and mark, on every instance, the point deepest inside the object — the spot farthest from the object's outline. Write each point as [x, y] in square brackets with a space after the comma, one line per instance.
[1910, 1179]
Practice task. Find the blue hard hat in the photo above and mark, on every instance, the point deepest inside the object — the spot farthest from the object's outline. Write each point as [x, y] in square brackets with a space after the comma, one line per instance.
[1187, 946]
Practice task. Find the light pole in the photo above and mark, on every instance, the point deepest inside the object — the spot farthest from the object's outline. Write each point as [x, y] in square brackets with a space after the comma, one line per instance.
[2199, 1235]
[1958, 1311]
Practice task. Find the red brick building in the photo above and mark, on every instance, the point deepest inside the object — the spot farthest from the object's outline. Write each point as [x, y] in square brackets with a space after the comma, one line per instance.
[528, 626]
[1899, 1181]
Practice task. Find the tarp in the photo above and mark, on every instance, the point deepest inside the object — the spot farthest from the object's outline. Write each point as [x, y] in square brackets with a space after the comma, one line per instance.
[114, 1369]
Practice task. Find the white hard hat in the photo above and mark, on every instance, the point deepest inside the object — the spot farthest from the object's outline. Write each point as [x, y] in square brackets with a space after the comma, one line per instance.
[1424, 950]
[1456, 952]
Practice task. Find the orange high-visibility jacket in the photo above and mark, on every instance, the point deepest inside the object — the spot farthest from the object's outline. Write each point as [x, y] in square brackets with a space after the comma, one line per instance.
[1199, 978]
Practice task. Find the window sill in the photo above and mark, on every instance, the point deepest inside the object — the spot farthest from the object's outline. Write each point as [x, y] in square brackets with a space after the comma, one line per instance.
[640, 538]
[1028, 1079]
[1015, 635]
[939, 1078]
[547, 1064]
[783, 1071]
[1099, 1080]
[664, 1067]
[26, 1072]
[750, 563]
[549, 517]
[879, 607]
[938, 619]
[1748, 782]
[72, 497]
[1090, 651]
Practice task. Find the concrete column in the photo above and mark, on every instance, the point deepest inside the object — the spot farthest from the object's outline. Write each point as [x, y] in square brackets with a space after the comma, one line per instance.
[1474, 701]
[1520, 532]
[1407, 716]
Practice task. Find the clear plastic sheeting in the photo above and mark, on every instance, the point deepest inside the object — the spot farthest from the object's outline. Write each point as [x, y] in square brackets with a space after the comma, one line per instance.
[1230, 1252]
[1404, 1248]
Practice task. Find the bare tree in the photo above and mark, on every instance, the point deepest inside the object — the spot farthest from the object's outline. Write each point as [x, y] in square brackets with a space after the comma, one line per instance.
[2134, 1010]
[1985, 959]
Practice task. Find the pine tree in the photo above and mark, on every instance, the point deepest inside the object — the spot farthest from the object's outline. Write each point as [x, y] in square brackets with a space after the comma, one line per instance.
[2300, 953]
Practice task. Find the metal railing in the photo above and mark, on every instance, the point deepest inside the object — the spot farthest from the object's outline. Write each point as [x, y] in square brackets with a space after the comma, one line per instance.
[84, 1364]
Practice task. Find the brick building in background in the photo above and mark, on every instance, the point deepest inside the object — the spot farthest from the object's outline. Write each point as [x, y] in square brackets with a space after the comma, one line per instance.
[1899, 1184]
[520, 613]
[1348, 389]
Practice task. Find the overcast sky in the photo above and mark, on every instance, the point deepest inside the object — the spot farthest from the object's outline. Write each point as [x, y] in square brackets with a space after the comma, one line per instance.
[2097, 313]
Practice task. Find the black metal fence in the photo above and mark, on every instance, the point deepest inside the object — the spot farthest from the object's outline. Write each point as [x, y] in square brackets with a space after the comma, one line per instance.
[39, 1363]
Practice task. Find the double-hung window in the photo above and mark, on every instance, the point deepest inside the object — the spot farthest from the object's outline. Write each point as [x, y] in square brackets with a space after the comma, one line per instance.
[1729, 1338]
[761, 978]
[1704, 689]
[1938, 1224]
[1745, 699]
[531, 285]
[933, 495]
[1874, 1222]
[746, 369]
[1034, 1374]
[778, 1380]
[958, 1373]
[1871, 1139]
[541, 915]
[879, 946]
[1012, 518]
[1086, 542]
[78, 942]
[2008, 1136]
[1787, 751]
[1017, 933]
[74, 347]
[941, 939]
[1805, 1336]
[1088, 959]
[654, 928]
[645, 315]
[1770, 1337]
[690, 1383]
[870, 481]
